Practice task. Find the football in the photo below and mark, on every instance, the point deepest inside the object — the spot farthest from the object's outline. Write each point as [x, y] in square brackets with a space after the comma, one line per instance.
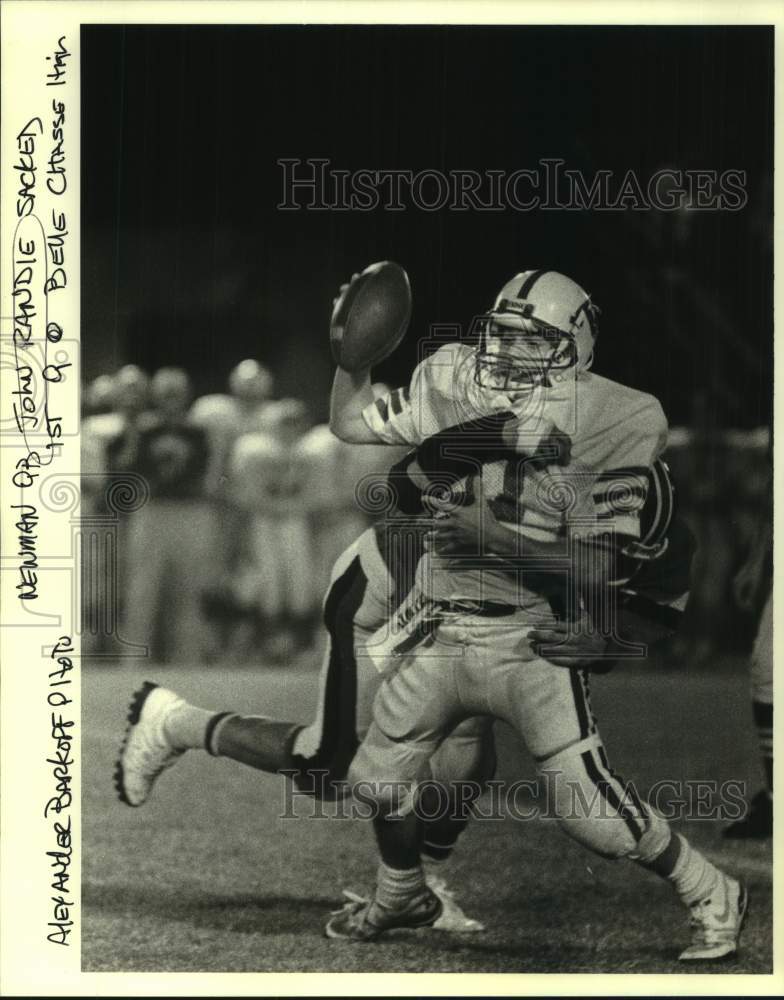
[371, 316]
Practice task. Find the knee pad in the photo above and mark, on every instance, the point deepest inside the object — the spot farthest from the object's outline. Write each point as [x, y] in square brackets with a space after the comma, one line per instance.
[654, 840]
[591, 803]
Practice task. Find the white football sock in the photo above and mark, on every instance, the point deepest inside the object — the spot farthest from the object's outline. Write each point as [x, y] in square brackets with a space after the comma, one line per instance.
[185, 726]
[693, 876]
[395, 888]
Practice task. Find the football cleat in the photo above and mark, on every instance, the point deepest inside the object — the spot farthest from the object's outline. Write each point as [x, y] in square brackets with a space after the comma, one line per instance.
[757, 824]
[361, 919]
[452, 916]
[716, 923]
[145, 751]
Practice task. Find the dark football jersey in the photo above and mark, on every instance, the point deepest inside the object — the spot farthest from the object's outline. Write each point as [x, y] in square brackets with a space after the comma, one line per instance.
[654, 569]
[172, 458]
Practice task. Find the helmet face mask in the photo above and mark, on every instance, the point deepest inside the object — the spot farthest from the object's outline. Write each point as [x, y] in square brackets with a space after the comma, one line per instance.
[519, 356]
[542, 324]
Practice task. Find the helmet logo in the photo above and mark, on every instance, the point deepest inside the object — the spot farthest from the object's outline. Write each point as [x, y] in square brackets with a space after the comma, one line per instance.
[516, 306]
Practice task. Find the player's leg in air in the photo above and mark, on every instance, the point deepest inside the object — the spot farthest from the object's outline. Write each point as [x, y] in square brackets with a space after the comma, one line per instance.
[162, 726]
[549, 707]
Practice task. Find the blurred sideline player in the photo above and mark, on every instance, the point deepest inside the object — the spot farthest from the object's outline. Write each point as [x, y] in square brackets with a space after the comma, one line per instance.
[339, 476]
[334, 518]
[532, 362]
[99, 424]
[171, 537]
[118, 403]
[114, 403]
[267, 477]
[97, 403]
[753, 581]
[224, 417]
[98, 396]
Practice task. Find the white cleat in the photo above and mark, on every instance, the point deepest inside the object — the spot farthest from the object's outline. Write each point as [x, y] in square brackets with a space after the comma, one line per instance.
[145, 751]
[716, 923]
[452, 917]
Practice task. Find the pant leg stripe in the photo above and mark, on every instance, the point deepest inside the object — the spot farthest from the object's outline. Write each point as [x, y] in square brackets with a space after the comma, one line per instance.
[581, 707]
[338, 739]
[587, 691]
[609, 794]
[628, 788]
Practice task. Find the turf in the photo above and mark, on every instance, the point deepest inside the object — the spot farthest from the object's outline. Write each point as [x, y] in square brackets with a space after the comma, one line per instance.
[207, 876]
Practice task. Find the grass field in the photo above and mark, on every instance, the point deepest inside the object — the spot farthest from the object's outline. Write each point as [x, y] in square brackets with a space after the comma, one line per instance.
[208, 877]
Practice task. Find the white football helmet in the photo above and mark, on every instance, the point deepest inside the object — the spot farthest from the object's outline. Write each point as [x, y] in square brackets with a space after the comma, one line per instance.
[170, 390]
[542, 325]
[250, 382]
[132, 386]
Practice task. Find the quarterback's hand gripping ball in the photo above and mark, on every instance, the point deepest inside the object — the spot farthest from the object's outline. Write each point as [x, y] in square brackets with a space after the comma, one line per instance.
[370, 316]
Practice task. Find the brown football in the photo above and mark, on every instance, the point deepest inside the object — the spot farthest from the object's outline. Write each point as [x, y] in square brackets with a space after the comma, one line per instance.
[371, 317]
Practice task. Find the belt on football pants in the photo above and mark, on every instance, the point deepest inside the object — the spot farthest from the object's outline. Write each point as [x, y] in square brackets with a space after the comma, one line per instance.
[427, 625]
[483, 609]
[386, 645]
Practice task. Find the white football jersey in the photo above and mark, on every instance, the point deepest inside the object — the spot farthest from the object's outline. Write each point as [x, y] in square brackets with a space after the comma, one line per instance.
[569, 458]
[224, 420]
[265, 477]
[442, 394]
[324, 458]
[340, 475]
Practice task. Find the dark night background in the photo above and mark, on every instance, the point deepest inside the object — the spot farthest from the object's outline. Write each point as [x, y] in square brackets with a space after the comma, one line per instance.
[187, 260]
